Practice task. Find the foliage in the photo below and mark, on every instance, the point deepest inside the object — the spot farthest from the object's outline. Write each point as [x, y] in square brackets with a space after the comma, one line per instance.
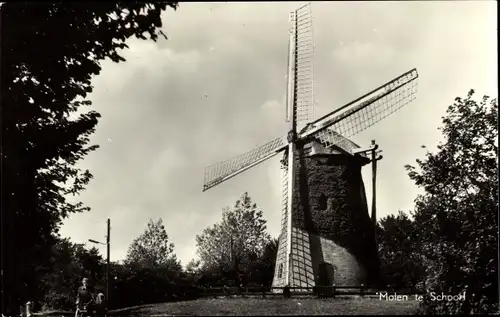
[241, 236]
[457, 217]
[139, 286]
[193, 267]
[153, 249]
[217, 276]
[129, 284]
[398, 248]
[50, 51]
[258, 272]
[70, 264]
[193, 270]
[261, 271]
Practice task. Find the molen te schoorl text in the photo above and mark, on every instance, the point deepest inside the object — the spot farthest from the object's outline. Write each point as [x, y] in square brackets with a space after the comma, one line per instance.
[432, 295]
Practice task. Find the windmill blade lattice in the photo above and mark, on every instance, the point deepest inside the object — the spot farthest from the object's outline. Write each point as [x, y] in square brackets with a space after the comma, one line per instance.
[302, 61]
[222, 171]
[283, 236]
[373, 107]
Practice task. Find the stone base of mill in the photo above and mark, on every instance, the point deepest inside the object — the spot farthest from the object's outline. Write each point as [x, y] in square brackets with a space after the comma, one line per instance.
[333, 241]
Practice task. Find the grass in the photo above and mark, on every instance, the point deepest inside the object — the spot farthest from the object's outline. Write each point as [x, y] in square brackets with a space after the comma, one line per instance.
[273, 307]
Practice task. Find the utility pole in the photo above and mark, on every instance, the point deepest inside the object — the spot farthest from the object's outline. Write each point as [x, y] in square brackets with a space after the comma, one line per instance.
[375, 158]
[106, 299]
[374, 188]
[107, 263]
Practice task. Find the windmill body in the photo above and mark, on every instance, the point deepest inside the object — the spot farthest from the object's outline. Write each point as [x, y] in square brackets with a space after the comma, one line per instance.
[326, 235]
[331, 234]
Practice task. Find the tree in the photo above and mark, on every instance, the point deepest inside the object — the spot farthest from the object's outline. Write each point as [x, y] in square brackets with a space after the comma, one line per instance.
[50, 51]
[261, 272]
[457, 216]
[41, 89]
[153, 249]
[193, 267]
[398, 248]
[241, 236]
[70, 263]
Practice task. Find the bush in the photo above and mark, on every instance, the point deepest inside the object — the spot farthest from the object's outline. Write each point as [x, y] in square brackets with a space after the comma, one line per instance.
[138, 286]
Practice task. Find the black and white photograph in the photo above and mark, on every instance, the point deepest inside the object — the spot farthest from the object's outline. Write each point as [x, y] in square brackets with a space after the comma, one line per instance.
[249, 158]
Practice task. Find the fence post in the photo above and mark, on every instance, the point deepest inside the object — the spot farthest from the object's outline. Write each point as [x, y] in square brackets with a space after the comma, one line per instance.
[333, 290]
[286, 291]
[263, 291]
[28, 309]
[362, 290]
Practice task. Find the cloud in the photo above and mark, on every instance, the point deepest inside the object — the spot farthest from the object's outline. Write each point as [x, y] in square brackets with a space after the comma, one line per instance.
[216, 89]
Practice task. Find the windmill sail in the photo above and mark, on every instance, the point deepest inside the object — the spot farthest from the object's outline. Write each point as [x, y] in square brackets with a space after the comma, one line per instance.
[301, 66]
[222, 171]
[365, 111]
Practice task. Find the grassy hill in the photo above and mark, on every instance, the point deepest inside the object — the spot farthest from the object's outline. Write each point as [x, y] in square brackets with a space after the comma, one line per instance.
[274, 307]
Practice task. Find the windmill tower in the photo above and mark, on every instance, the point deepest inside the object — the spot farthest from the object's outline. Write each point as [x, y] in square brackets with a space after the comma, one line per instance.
[327, 236]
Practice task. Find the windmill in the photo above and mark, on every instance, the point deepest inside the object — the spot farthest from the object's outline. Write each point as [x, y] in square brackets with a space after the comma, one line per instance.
[327, 236]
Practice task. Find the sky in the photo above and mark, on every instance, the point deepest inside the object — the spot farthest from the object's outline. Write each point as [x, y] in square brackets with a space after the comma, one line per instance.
[216, 88]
